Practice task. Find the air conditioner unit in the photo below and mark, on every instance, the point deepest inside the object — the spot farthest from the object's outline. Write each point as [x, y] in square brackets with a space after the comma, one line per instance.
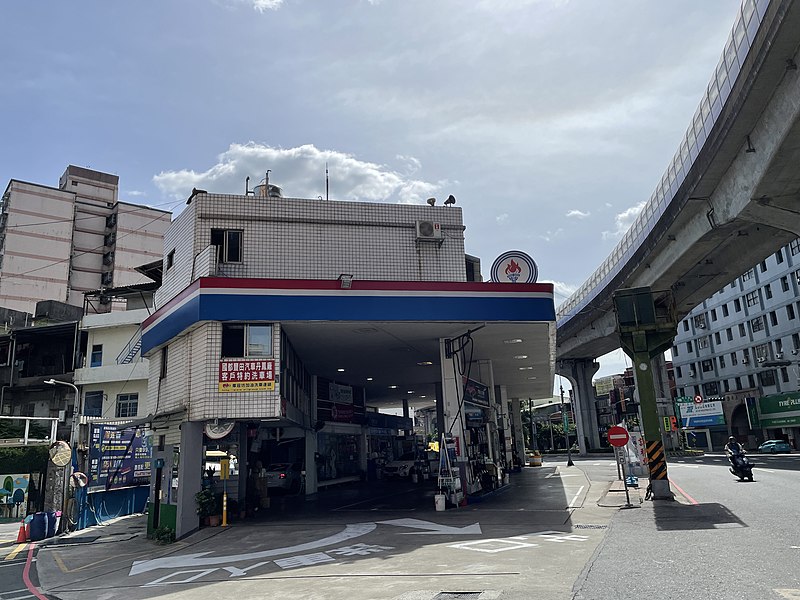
[761, 359]
[429, 230]
[691, 373]
[701, 325]
[779, 355]
[745, 360]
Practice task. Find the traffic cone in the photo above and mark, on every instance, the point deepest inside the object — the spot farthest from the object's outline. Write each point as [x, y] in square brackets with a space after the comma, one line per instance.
[22, 536]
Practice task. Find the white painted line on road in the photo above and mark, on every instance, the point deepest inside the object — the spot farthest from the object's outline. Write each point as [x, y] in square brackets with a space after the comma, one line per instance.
[28, 595]
[765, 470]
[687, 466]
[575, 497]
[16, 591]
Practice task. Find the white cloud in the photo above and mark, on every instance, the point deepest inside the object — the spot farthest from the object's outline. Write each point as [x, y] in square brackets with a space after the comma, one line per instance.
[262, 5]
[578, 214]
[549, 236]
[563, 291]
[501, 218]
[300, 172]
[135, 193]
[623, 221]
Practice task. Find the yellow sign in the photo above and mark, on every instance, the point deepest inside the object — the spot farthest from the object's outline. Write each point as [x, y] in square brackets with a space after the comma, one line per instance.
[246, 386]
[225, 468]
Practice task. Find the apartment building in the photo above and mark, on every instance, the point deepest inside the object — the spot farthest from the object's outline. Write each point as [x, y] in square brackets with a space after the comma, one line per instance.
[741, 348]
[56, 243]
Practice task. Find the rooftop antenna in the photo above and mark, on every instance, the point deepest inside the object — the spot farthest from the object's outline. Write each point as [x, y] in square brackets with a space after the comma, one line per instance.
[266, 183]
[327, 186]
[247, 186]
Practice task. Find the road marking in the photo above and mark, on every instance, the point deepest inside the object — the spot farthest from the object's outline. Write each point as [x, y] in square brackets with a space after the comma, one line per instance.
[575, 497]
[789, 594]
[433, 528]
[201, 559]
[26, 576]
[687, 466]
[13, 554]
[28, 595]
[765, 470]
[684, 494]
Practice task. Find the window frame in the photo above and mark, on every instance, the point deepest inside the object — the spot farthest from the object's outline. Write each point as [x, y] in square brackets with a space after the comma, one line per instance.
[224, 248]
[247, 344]
[127, 400]
[96, 356]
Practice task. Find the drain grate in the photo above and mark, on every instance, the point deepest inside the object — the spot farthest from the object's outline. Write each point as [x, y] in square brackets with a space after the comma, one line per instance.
[457, 596]
[587, 526]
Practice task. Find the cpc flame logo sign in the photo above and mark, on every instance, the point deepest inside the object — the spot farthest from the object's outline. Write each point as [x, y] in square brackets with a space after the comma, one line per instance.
[514, 267]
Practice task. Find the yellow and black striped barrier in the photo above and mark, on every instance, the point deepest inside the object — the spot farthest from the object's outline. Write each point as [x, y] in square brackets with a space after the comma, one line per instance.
[656, 460]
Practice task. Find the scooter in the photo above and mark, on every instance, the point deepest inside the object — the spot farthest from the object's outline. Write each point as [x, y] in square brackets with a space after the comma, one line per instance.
[741, 467]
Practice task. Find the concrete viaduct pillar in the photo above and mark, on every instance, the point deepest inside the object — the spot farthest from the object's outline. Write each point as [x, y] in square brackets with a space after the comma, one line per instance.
[580, 372]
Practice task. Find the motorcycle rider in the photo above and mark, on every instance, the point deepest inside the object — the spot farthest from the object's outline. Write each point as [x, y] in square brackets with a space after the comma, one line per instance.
[735, 452]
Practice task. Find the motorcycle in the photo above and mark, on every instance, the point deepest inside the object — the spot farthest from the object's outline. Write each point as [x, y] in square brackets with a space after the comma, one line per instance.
[741, 466]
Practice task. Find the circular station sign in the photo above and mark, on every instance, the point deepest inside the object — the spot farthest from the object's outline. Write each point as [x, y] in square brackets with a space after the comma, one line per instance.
[617, 436]
[514, 267]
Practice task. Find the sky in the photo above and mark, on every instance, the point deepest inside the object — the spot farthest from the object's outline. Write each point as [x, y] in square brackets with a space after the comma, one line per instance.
[550, 121]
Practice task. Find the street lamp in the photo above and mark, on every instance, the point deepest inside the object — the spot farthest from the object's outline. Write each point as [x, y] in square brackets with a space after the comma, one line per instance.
[77, 410]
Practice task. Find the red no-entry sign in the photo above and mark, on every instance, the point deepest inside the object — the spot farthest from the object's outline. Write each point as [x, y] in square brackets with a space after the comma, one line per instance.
[617, 436]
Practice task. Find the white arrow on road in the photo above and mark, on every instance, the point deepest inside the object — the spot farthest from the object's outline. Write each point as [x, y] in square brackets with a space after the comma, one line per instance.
[202, 560]
[433, 528]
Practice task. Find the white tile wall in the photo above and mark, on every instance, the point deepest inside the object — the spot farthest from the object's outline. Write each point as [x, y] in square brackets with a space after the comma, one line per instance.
[291, 238]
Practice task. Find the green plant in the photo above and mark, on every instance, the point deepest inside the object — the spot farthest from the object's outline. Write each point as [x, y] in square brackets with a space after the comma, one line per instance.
[206, 503]
[163, 535]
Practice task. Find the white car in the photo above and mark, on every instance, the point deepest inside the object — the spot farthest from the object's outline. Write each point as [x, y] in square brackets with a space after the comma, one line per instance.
[400, 467]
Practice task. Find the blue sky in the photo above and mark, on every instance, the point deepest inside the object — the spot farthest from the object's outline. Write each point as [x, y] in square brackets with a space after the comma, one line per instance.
[549, 120]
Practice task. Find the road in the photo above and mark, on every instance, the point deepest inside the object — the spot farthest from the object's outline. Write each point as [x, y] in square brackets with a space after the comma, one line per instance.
[557, 533]
[740, 539]
[12, 563]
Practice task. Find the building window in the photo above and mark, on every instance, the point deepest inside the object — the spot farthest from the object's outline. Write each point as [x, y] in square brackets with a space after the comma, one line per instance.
[768, 291]
[785, 284]
[757, 324]
[713, 314]
[737, 305]
[711, 388]
[751, 381]
[734, 359]
[726, 385]
[685, 325]
[751, 298]
[725, 311]
[796, 341]
[738, 383]
[729, 334]
[742, 331]
[773, 318]
[707, 366]
[784, 375]
[674, 351]
[97, 356]
[796, 278]
[228, 243]
[164, 362]
[688, 346]
[241, 340]
[702, 343]
[700, 321]
[747, 275]
[170, 259]
[779, 256]
[678, 372]
[721, 361]
[717, 338]
[767, 378]
[794, 247]
[763, 266]
[93, 404]
[790, 312]
[761, 352]
[127, 405]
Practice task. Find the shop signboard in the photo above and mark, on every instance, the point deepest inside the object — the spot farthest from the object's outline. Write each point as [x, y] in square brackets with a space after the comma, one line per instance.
[476, 393]
[780, 410]
[702, 415]
[246, 375]
[118, 459]
[341, 394]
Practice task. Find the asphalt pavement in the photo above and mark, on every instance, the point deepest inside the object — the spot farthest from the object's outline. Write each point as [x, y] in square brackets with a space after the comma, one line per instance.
[555, 532]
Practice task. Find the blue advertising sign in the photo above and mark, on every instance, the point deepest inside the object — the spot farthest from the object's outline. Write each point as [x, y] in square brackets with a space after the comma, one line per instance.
[702, 415]
[118, 459]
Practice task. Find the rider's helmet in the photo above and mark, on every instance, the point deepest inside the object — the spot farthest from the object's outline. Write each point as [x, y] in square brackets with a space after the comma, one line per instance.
[731, 439]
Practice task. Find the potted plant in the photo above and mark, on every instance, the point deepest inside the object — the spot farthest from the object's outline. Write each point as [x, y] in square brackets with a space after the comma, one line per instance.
[206, 505]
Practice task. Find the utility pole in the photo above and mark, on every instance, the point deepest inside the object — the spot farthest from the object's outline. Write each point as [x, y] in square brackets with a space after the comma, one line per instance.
[534, 445]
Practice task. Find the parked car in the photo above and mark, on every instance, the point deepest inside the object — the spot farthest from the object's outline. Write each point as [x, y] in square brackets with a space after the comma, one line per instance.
[774, 446]
[284, 476]
[400, 467]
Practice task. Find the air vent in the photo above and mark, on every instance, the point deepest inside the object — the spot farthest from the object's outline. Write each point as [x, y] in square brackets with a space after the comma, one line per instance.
[429, 230]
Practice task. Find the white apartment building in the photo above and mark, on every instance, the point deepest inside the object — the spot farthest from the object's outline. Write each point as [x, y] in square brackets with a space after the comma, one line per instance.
[741, 348]
[57, 243]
